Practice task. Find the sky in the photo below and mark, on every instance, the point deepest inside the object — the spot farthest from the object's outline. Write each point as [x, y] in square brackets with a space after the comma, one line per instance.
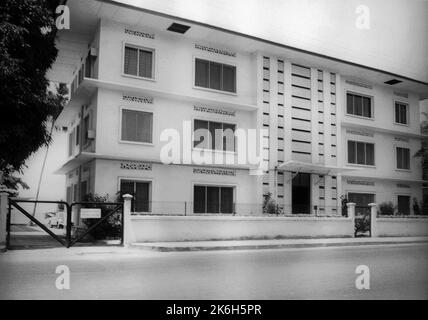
[396, 40]
[52, 185]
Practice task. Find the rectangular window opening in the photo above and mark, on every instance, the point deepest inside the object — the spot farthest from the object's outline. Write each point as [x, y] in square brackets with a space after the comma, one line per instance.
[214, 75]
[359, 105]
[137, 126]
[213, 199]
[213, 135]
[361, 153]
[138, 62]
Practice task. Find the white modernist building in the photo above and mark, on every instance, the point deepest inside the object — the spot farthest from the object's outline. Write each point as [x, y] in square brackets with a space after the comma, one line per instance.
[331, 128]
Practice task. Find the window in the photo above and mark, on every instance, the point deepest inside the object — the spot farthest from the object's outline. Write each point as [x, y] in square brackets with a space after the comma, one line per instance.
[214, 75]
[401, 113]
[361, 153]
[137, 126]
[75, 192]
[359, 105]
[403, 158]
[83, 190]
[138, 62]
[140, 190]
[85, 129]
[210, 199]
[403, 206]
[69, 196]
[361, 199]
[70, 144]
[90, 65]
[77, 135]
[214, 135]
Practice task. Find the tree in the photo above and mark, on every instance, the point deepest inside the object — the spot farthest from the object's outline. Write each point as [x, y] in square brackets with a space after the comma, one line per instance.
[27, 51]
[9, 182]
[422, 153]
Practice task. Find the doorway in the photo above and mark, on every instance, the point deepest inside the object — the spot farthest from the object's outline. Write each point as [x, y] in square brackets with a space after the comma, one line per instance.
[301, 193]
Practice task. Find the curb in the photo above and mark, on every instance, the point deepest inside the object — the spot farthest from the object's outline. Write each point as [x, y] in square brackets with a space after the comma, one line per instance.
[267, 246]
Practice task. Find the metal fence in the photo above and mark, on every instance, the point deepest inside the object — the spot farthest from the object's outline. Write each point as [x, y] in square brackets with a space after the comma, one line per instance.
[184, 208]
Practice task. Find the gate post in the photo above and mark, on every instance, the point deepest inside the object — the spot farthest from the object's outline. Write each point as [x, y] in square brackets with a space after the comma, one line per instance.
[373, 219]
[3, 219]
[351, 215]
[128, 234]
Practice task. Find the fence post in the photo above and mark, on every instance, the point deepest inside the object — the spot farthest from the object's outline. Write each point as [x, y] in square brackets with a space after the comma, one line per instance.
[373, 219]
[3, 219]
[128, 235]
[351, 210]
[350, 206]
[68, 225]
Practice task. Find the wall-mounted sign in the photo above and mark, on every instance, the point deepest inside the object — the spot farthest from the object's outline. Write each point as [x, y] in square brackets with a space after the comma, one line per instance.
[90, 213]
[359, 84]
[214, 110]
[360, 182]
[401, 139]
[360, 133]
[401, 94]
[214, 171]
[140, 34]
[215, 50]
[400, 185]
[135, 165]
[137, 99]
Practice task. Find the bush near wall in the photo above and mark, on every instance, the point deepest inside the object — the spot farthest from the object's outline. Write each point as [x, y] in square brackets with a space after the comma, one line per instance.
[386, 209]
[111, 228]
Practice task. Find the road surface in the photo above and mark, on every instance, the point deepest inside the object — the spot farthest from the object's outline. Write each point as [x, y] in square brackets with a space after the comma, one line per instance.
[396, 272]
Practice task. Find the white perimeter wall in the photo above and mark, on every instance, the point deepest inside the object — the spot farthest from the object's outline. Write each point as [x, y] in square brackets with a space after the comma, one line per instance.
[402, 227]
[148, 229]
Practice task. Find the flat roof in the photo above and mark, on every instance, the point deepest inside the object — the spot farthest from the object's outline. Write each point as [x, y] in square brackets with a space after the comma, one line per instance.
[240, 34]
[86, 16]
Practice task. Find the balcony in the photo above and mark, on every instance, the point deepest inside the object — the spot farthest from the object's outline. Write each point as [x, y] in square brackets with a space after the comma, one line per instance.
[86, 70]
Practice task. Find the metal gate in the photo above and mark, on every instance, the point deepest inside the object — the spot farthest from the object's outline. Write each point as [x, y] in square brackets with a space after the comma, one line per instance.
[362, 221]
[111, 218]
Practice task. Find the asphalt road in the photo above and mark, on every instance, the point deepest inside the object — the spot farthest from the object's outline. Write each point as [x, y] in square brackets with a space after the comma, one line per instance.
[396, 272]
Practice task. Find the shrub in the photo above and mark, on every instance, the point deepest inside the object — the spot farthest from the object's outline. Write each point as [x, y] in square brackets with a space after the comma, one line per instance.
[416, 208]
[111, 228]
[269, 205]
[386, 208]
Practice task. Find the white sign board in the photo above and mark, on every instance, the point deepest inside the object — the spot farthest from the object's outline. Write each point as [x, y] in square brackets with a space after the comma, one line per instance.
[92, 213]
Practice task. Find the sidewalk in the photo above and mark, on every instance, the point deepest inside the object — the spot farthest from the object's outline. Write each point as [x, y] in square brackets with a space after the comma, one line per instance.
[272, 244]
[148, 249]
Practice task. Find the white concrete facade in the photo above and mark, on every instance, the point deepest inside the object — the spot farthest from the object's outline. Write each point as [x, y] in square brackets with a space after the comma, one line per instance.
[302, 104]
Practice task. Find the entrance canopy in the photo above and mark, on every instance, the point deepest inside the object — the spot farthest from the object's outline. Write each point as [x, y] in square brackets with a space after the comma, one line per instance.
[315, 168]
